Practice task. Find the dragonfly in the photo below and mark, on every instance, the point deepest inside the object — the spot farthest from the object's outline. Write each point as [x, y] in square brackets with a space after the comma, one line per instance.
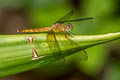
[52, 32]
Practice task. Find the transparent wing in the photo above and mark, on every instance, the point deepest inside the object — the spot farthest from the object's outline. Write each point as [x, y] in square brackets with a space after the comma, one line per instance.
[54, 45]
[81, 19]
[67, 16]
[83, 54]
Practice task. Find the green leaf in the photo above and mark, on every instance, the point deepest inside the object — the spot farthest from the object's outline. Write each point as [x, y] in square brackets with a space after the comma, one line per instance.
[16, 51]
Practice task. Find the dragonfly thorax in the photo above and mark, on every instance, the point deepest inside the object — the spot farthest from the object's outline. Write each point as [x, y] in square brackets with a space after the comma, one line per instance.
[58, 27]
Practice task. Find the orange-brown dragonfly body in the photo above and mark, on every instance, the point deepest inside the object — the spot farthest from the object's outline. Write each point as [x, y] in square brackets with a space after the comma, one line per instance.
[58, 27]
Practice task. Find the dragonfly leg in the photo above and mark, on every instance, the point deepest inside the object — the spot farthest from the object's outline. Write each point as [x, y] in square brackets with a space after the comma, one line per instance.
[68, 38]
[34, 52]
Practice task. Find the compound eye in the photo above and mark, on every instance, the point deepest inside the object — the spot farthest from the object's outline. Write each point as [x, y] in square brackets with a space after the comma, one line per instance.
[69, 26]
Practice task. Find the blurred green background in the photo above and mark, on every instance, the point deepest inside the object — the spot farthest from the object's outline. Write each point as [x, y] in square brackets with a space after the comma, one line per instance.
[103, 62]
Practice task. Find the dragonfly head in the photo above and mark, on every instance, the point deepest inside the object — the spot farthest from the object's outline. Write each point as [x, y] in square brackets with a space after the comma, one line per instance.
[68, 27]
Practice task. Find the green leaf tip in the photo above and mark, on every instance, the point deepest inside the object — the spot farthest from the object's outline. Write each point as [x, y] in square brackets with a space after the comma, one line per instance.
[16, 51]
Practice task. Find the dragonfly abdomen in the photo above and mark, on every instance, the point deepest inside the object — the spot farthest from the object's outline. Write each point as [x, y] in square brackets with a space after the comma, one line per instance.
[44, 29]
